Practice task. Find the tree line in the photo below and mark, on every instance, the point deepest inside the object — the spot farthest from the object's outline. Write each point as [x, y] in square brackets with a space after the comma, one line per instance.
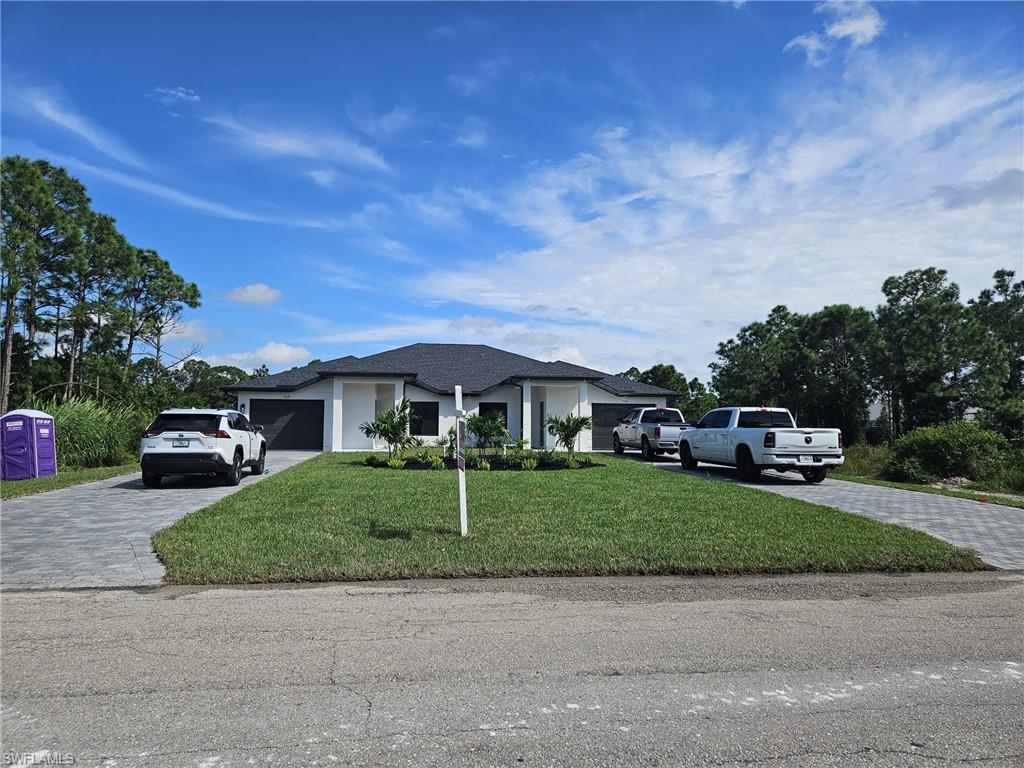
[85, 312]
[922, 357]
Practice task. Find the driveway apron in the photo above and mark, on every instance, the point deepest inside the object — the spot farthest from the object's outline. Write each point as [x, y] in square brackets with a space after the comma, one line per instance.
[97, 534]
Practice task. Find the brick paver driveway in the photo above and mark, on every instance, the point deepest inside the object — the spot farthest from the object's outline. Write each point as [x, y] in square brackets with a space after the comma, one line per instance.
[97, 534]
[995, 532]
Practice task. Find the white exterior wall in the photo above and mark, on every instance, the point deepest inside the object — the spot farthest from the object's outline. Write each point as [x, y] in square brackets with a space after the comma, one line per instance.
[446, 406]
[321, 390]
[356, 403]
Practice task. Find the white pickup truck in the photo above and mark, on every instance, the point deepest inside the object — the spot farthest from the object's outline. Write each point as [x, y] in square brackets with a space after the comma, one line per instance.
[752, 439]
[653, 430]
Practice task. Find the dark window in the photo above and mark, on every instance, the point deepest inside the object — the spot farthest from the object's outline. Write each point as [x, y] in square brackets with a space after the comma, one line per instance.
[486, 409]
[242, 423]
[185, 422]
[423, 419]
[765, 419]
[716, 419]
[662, 416]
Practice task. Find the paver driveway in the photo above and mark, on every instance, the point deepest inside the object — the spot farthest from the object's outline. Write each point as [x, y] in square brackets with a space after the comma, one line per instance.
[97, 534]
[995, 532]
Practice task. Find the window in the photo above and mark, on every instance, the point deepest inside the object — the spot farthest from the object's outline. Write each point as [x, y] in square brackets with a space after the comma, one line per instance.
[185, 422]
[242, 423]
[662, 416]
[765, 419]
[716, 419]
[423, 419]
[486, 409]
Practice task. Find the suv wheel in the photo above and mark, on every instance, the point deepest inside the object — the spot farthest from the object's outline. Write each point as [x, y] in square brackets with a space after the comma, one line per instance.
[616, 444]
[234, 475]
[257, 468]
[150, 480]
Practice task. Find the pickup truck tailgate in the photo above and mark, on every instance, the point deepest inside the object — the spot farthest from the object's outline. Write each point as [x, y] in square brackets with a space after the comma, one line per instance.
[806, 440]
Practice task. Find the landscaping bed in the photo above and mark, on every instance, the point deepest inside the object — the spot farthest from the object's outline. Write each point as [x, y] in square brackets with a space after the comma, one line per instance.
[335, 519]
[538, 463]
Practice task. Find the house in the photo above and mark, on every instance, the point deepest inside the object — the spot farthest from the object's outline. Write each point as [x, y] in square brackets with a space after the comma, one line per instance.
[322, 405]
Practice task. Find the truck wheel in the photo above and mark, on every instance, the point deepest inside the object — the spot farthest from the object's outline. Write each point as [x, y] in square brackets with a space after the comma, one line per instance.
[645, 449]
[616, 445]
[686, 457]
[814, 475]
[748, 471]
[150, 480]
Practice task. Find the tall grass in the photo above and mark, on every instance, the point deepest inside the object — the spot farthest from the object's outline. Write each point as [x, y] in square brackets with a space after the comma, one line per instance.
[93, 434]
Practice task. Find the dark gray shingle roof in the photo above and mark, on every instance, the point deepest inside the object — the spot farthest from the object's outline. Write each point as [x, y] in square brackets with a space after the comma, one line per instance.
[439, 367]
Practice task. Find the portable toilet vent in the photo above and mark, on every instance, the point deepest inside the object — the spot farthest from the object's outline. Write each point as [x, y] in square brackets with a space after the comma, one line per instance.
[28, 446]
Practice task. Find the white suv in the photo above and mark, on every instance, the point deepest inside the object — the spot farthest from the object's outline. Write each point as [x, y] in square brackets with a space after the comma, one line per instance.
[192, 441]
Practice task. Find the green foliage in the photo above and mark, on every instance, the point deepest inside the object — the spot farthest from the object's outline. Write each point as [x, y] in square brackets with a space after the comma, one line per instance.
[864, 460]
[449, 443]
[396, 463]
[91, 434]
[484, 465]
[566, 429]
[392, 426]
[424, 454]
[694, 398]
[373, 460]
[962, 449]
[436, 462]
[488, 429]
[529, 463]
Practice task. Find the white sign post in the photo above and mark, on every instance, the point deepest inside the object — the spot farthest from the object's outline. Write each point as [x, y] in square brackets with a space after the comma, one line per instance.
[460, 428]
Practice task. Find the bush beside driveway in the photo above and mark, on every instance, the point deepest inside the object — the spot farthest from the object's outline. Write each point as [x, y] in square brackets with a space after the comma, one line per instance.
[334, 518]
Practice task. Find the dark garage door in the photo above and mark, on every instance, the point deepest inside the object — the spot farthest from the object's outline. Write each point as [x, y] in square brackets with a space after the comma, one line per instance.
[290, 423]
[606, 416]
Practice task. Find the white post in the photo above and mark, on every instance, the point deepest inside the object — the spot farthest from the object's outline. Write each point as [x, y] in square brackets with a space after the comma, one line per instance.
[460, 426]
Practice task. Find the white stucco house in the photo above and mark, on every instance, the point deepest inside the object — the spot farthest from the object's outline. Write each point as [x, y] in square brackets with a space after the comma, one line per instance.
[322, 406]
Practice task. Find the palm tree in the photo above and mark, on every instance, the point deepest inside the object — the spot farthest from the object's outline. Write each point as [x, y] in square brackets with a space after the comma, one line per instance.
[392, 426]
[566, 429]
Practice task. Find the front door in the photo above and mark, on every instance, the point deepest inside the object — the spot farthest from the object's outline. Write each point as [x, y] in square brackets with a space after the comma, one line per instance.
[540, 440]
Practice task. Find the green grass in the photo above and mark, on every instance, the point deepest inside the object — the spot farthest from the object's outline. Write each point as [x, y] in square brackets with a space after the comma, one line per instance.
[11, 489]
[332, 518]
[979, 496]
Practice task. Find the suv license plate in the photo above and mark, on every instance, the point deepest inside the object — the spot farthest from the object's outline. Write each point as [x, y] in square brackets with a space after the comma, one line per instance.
[805, 459]
[180, 444]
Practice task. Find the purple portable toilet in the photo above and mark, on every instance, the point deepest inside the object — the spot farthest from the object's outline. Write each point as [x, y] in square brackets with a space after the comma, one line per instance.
[28, 446]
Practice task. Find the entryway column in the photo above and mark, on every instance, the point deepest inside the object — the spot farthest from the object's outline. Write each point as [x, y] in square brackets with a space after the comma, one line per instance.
[527, 415]
[336, 414]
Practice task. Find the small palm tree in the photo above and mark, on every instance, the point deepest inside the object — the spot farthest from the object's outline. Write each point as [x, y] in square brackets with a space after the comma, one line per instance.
[566, 429]
[488, 429]
[392, 426]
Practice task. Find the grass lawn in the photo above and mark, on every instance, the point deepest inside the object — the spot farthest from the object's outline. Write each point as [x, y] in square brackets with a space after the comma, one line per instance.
[11, 489]
[332, 518]
[989, 497]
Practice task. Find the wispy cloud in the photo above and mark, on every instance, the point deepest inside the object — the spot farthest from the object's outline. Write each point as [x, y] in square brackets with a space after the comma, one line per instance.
[380, 126]
[46, 105]
[257, 293]
[287, 142]
[176, 96]
[855, 21]
[814, 47]
[486, 72]
[324, 177]
[474, 133]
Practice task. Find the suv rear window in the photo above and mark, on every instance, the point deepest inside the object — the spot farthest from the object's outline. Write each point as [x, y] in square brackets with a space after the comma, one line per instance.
[765, 419]
[185, 422]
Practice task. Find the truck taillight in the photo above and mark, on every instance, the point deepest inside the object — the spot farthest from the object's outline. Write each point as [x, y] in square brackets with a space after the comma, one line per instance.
[657, 431]
[769, 439]
[840, 439]
[216, 433]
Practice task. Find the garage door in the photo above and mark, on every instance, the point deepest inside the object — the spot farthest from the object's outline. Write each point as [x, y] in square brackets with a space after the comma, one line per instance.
[606, 416]
[290, 423]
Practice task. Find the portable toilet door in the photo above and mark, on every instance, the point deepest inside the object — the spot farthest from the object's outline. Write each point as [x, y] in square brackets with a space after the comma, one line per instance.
[27, 445]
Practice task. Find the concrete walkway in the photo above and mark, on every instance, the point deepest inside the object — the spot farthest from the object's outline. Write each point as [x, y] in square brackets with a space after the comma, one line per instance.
[995, 532]
[97, 534]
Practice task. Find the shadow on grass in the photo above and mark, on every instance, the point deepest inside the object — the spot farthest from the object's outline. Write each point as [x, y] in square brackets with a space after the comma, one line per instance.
[390, 533]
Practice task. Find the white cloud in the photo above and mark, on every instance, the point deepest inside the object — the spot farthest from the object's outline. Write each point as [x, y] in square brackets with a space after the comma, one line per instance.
[815, 48]
[474, 133]
[273, 354]
[381, 126]
[172, 97]
[324, 177]
[192, 330]
[257, 293]
[854, 20]
[485, 73]
[288, 142]
[46, 105]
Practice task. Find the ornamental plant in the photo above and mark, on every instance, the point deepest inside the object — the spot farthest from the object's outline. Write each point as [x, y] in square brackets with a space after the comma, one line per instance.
[566, 429]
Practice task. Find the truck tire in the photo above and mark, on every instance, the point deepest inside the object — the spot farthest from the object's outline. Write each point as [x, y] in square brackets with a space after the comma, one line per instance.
[748, 471]
[686, 459]
[814, 475]
[645, 449]
[617, 446]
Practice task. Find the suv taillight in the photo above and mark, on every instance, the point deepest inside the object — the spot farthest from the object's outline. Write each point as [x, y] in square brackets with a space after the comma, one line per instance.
[216, 433]
[769, 439]
[151, 433]
[657, 431]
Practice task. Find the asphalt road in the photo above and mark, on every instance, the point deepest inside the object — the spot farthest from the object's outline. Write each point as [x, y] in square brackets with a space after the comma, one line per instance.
[790, 671]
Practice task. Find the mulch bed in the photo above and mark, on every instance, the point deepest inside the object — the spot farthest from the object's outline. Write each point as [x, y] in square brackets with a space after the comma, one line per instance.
[500, 463]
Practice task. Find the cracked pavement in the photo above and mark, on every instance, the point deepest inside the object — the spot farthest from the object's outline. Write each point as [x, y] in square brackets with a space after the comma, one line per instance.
[851, 670]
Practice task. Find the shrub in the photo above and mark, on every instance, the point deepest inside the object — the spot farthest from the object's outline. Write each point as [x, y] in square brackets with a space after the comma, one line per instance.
[392, 426]
[528, 464]
[865, 460]
[436, 462]
[565, 430]
[374, 461]
[488, 429]
[396, 463]
[960, 449]
[93, 434]
[484, 464]
[449, 443]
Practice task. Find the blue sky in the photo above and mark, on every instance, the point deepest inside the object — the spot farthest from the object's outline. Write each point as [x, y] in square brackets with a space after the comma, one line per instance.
[607, 184]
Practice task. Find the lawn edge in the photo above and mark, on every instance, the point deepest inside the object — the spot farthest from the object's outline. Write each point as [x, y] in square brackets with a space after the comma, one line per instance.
[123, 469]
[992, 499]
